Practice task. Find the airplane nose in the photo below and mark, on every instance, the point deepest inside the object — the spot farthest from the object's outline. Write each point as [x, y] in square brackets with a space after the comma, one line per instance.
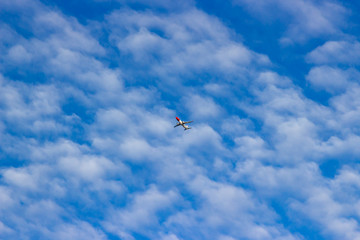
[177, 119]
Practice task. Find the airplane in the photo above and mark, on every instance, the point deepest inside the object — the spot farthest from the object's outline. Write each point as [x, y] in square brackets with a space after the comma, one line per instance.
[182, 124]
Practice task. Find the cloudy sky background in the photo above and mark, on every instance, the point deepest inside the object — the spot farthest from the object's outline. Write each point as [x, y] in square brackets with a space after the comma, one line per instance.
[89, 91]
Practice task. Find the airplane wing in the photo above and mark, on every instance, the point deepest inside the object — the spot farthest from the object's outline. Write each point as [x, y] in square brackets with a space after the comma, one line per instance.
[188, 122]
[177, 125]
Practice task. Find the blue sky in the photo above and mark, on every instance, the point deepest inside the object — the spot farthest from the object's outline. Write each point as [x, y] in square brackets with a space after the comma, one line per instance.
[89, 91]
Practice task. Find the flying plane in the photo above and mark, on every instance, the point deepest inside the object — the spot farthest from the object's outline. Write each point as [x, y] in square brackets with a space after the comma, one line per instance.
[182, 124]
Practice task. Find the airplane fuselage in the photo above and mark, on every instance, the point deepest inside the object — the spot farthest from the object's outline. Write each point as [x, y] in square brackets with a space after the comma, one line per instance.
[182, 123]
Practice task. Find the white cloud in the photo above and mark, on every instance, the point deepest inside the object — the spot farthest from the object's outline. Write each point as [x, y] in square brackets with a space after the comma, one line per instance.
[335, 52]
[5, 198]
[201, 107]
[328, 213]
[332, 80]
[294, 120]
[183, 43]
[4, 230]
[252, 147]
[329, 204]
[269, 78]
[79, 230]
[20, 178]
[170, 237]
[219, 204]
[31, 109]
[53, 150]
[348, 101]
[162, 4]
[19, 55]
[304, 19]
[235, 126]
[89, 168]
[142, 213]
[273, 181]
[347, 114]
[137, 149]
[341, 146]
[89, 72]
[301, 133]
[216, 89]
[67, 33]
